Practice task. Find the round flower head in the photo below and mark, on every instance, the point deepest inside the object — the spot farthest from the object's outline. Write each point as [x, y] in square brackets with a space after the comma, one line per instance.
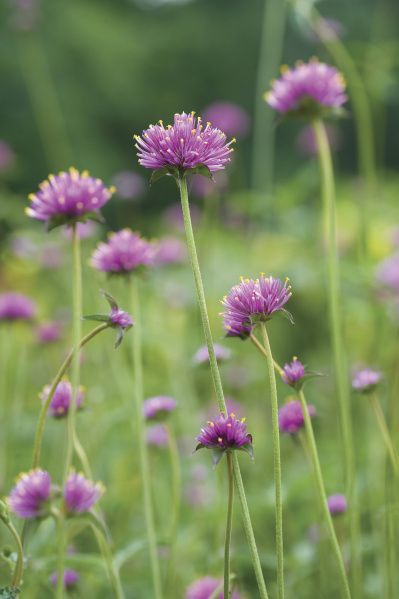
[204, 588]
[15, 306]
[129, 185]
[48, 332]
[293, 373]
[80, 494]
[366, 380]
[169, 250]
[337, 504]
[62, 398]
[229, 117]
[223, 434]
[125, 252]
[308, 89]
[157, 435]
[31, 492]
[202, 355]
[68, 197]
[157, 408]
[183, 146]
[120, 318]
[251, 301]
[290, 417]
[71, 578]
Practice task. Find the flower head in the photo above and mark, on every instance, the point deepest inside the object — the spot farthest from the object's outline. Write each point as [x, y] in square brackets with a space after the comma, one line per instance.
[308, 89]
[120, 318]
[293, 372]
[201, 356]
[68, 197]
[169, 250]
[229, 117]
[48, 332]
[204, 588]
[124, 253]
[116, 319]
[366, 380]
[80, 494]
[224, 434]
[15, 306]
[157, 408]
[71, 578]
[62, 398]
[290, 416]
[337, 504]
[184, 146]
[252, 301]
[32, 490]
[157, 435]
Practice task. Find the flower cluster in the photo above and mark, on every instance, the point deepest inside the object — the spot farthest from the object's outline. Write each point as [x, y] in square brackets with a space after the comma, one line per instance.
[62, 399]
[124, 253]
[183, 146]
[159, 407]
[224, 434]
[16, 306]
[290, 417]
[252, 301]
[308, 89]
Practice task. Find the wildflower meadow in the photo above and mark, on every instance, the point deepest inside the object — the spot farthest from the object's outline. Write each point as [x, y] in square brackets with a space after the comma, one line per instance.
[199, 300]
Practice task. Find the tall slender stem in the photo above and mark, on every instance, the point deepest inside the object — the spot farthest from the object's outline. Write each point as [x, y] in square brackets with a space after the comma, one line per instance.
[217, 382]
[277, 463]
[323, 497]
[229, 520]
[19, 566]
[176, 500]
[112, 572]
[340, 362]
[379, 415]
[142, 445]
[61, 545]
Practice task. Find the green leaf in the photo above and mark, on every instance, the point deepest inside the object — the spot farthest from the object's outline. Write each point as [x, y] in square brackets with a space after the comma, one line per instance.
[249, 449]
[202, 170]
[217, 455]
[159, 173]
[97, 317]
[287, 315]
[56, 221]
[9, 593]
[199, 446]
[110, 299]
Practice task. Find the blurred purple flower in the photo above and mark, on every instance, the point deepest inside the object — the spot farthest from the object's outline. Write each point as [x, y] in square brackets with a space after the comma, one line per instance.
[204, 588]
[48, 332]
[129, 185]
[23, 247]
[84, 230]
[229, 117]
[203, 187]
[80, 494]
[306, 141]
[71, 578]
[169, 250]
[157, 435]
[290, 417]
[173, 217]
[124, 253]
[202, 356]
[307, 88]
[120, 318]
[159, 407]
[184, 145]
[387, 273]
[16, 306]
[337, 504]
[30, 493]
[51, 256]
[62, 398]
[7, 157]
[366, 380]
[25, 14]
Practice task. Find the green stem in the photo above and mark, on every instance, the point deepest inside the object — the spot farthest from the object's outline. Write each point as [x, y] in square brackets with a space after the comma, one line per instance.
[182, 183]
[176, 498]
[262, 350]
[19, 566]
[112, 572]
[277, 463]
[142, 445]
[379, 414]
[61, 543]
[339, 358]
[226, 586]
[323, 497]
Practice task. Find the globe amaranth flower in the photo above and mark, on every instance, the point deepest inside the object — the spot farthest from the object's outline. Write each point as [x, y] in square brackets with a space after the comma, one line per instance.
[290, 417]
[366, 380]
[293, 372]
[229, 117]
[253, 301]
[62, 398]
[48, 332]
[184, 146]
[337, 504]
[201, 356]
[157, 435]
[223, 434]
[309, 89]
[117, 319]
[125, 252]
[80, 494]
[68, 197]
[159, 407]
[16, 306]
[204, 588]
[30, 494]
[71, 578]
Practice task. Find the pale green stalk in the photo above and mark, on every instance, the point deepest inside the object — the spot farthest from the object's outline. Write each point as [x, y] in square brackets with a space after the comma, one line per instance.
[379, 415]
[182, 183]
[19, 566]
[112, 572]
[176, 500]
[229, 521]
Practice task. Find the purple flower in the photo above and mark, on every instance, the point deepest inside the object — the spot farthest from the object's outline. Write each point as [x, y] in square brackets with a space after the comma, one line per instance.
[307, 89]
[169, 250]
[62, 398]
[15, 306]
[84, 230]
[157, 408]
[157, 435]
[71, 578]
[366, 380]
[229, 117]
[251, 301]
[290, 417]
[32, 490]
[223, 434]
[306, 141]
[68, 197]
[202, 356]
[293, 372]
[80, 494]
[387, 273]
[7, 157]
[183, 146]
[203, 187]
[48, 332]
[125, 252]
[337, 504]
[204, 588]
[120, 318]
[129, 185]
